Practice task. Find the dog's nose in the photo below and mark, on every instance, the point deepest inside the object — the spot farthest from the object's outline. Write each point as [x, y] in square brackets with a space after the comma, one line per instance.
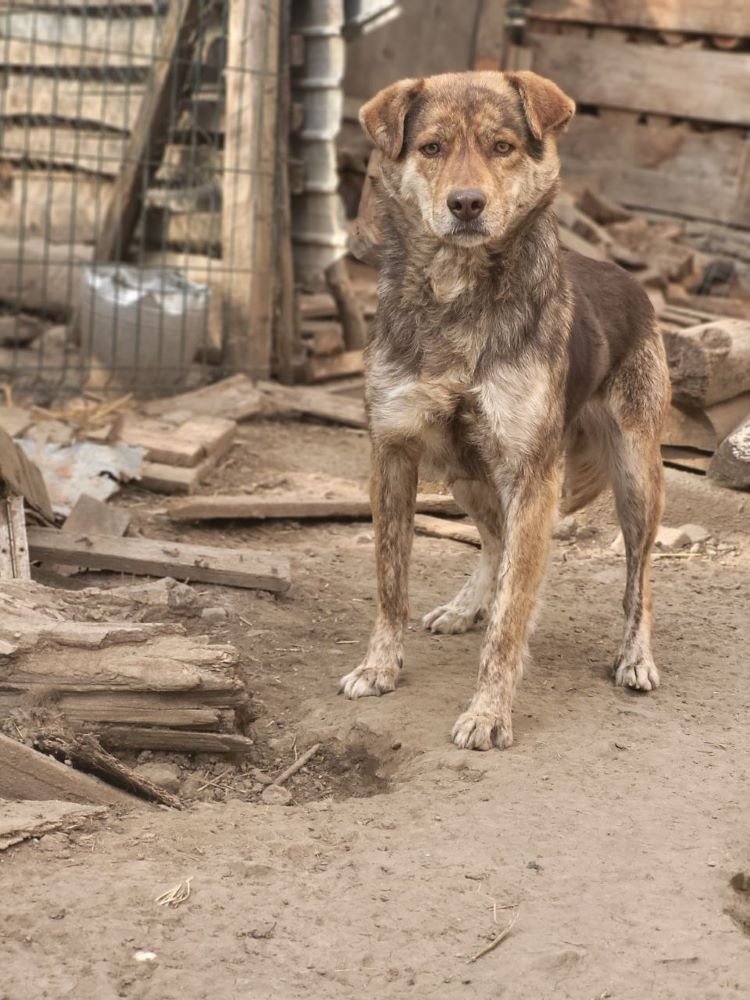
[467, 205]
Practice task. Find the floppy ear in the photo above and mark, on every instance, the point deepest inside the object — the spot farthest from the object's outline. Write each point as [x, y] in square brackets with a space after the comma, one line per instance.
[546, 107]
[383, 117]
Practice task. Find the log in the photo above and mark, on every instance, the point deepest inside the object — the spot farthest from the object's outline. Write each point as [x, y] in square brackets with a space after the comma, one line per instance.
[174, 740]
[248, 206]
[85, 752]
[21, 821]
[456, 531]
[248, 568]
[167, 76]
[709, 363]
[26, 774]
[685, 458]
[704, 430]
[730, 466]
[294, 506]
[349, 310]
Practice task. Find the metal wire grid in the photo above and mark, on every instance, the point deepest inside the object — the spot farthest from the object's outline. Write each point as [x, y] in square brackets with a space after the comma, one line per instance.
[73, 74]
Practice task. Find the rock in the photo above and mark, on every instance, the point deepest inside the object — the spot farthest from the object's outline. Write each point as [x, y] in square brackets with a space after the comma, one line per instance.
[696, 533]
[276, 795]
[667, 540]
[261, 777]
[167, 776]
[192, 785]
[730, 465]
[566, 530]
[671, 539]
[214, 616]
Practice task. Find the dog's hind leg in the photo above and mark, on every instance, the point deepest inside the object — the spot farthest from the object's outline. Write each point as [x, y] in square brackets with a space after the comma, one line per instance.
[637, 479]
[472, 601]
[394, 491]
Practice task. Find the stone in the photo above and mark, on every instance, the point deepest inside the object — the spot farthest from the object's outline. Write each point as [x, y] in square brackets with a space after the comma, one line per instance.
[214, 616]
[276, 795]
[167, 776]
[696, 533]
[671, 539]
[566, 530]
[730, 465]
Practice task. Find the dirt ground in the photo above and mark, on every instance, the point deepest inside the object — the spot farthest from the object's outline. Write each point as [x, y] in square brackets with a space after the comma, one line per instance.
[611, 830]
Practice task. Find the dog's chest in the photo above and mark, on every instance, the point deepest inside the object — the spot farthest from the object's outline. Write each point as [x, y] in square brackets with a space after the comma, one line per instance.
[452, 414]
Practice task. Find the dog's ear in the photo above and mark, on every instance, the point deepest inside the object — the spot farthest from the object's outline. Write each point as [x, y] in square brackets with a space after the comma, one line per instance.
[384, 115]
[546, 107]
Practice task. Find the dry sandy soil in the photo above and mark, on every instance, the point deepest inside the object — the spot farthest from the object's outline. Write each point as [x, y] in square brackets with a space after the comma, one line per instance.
[612, 828]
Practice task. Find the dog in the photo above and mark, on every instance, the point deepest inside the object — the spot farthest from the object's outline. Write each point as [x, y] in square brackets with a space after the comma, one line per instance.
[519, 372]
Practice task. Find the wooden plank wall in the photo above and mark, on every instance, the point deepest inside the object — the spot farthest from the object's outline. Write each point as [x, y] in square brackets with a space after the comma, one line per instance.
[72, 80]
[663, 89]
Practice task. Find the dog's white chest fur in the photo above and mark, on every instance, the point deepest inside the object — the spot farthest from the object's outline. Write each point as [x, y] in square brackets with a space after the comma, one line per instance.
[509, 407]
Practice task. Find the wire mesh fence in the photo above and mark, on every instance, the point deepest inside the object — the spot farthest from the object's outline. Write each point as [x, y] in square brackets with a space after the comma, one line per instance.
[137, 213]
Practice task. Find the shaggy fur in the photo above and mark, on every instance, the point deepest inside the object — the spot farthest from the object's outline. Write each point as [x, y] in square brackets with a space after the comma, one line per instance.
[515, 369]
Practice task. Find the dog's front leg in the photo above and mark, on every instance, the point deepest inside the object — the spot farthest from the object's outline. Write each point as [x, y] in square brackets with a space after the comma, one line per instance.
[530, 503]
[394, 491]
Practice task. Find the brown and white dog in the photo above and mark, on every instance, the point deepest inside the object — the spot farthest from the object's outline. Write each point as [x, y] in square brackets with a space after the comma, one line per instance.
[515, 368]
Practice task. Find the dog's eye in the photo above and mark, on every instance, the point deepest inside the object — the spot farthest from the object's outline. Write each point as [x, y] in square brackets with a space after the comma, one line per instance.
[431, 148]
[503, 148]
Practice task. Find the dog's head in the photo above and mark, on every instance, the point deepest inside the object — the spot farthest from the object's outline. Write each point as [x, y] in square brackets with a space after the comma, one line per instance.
[473, 152]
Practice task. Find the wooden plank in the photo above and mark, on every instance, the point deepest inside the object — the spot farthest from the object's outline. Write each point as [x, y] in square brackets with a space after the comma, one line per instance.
[669, 169]
[164, 478]
[317, 403]
[14, 550]
[255, 569]
[456, 531]
[21, 821]
[90, 516]
[704, 429]
[690, 83]
[23, 477]
[44, 36]
[177, 741]
[685, 458]
[167, 77]
[731, 17]
[489, 35]
[14, 420]
[248, 204]
[185, 444]
[294, 506]
[335, 366]
[235, 398]
[26, 774]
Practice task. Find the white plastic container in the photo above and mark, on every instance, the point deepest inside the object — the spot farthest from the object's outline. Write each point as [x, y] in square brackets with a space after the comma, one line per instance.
[144, 325]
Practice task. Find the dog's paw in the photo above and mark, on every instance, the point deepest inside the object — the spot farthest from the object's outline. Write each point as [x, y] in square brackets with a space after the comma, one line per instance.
[640, 674]
[366, 681]
[481, 731]
[450, 619]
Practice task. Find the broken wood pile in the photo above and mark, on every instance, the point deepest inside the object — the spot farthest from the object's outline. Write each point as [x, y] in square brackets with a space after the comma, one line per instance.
[662, 101]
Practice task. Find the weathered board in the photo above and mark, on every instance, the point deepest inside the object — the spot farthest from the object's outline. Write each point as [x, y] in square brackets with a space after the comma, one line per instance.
[294, 506]
[22, 477]
[686, 82]
[26, 774]
[667, 168]
[232, 567]
[729, 17]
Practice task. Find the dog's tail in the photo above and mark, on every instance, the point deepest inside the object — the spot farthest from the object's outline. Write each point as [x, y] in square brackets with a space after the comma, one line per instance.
[586, 474]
